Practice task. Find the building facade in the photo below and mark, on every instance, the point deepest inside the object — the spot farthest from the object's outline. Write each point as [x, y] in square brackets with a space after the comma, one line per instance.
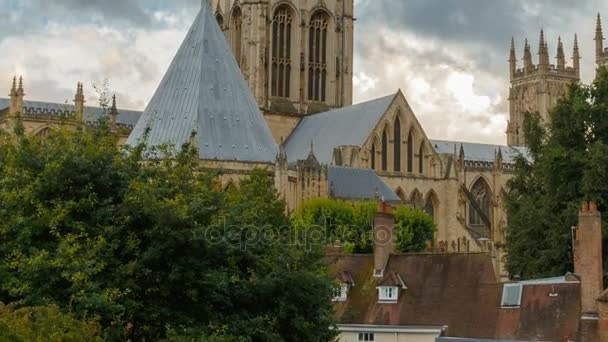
[538, 87]
[296, 56]
[268, 84]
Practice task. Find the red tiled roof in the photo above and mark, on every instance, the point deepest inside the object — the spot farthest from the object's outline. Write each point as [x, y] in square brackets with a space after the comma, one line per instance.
[458, 291]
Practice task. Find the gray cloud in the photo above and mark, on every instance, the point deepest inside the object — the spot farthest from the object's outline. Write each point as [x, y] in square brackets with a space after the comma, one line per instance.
[449, 56]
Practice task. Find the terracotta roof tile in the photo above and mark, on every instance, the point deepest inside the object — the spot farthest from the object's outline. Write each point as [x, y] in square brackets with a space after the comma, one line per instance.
[460, 292]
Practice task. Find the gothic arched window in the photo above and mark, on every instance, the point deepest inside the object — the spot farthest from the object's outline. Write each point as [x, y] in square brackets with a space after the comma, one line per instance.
[429, 206]
[220, 20]
[397, 145]
[479, 210]
[401, 195]
[416, 199]
[373, 156]
[421, 159]
[317, 56]
[237, 34]
[384, 151]
[44, 133]
[281, 52]
[410, 153]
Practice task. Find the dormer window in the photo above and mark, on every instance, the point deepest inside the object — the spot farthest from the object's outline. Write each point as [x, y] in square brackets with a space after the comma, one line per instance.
[341, 293]
[511, 295]
[388, 294]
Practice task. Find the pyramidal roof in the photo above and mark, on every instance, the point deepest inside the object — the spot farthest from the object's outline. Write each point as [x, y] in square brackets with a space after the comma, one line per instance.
[204, 91]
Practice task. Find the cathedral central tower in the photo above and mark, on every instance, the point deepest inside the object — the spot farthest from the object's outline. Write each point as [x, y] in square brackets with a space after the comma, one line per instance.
[537, 88]
[296, 56]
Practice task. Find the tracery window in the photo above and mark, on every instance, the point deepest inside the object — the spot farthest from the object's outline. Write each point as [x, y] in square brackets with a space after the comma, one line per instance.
[281, 52]
[481, 208]
[397, 145]
[317, 57]
[421, 159]
[429, 207]
[373, 156]
[44, 133]
[416, 199]
[384, 151]
[220, 20]
[237, 35]
[410, 153]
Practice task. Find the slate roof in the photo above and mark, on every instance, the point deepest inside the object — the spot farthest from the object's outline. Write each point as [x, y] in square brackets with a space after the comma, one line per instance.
[479, 152]
[204, 91]
[458, 291]
[353, 183]
[348, 126]
[92, 114]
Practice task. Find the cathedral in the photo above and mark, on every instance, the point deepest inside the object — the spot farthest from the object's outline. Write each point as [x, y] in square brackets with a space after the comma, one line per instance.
[269, 84]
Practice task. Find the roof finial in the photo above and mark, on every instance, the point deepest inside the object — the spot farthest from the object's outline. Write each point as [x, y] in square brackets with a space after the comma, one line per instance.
[598, 27]
[20, 84]
[561, 58]
[114, 112]
[14, 87]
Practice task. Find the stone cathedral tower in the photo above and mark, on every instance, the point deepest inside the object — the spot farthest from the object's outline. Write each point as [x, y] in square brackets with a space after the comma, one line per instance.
[536, 88]
[296, 56]
[601, 53]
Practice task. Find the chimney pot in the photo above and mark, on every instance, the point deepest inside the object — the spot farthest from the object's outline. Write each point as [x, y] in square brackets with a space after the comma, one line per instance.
[592, 207]
[585, 207]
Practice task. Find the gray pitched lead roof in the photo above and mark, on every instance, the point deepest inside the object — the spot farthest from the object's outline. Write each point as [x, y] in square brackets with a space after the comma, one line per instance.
[204, 91]
[353, 183]
[92, 114]
[479, 152]
[348, 126]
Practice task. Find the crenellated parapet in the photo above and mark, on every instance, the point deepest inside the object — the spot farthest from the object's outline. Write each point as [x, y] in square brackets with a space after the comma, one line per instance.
[544, 67]
[538, 87]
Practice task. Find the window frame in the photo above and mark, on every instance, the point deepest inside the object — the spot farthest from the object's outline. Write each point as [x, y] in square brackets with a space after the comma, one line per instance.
[388, 294]
[318, 37]
[366, 337]
[282, 35]
[343, 293]
[504, 293]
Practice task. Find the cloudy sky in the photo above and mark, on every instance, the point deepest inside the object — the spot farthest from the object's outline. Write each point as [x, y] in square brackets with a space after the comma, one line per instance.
[448, 56]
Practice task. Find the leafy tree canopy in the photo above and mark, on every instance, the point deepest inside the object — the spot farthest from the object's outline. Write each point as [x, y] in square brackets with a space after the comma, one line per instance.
[327, 220]
[567, 163]
[46, 323]
[413, 230]
[146, 244]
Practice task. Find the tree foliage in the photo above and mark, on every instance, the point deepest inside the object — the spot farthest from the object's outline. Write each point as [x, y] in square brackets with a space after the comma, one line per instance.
[46, 323]
[328, 220]
[413, 230]
[146, 244]
[325, 220]
[567, 163]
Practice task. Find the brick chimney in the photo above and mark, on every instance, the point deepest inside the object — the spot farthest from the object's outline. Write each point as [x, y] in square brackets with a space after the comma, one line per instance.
[588, 264]
[384, 222]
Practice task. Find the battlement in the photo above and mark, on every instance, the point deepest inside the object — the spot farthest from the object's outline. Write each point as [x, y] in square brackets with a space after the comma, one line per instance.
[552, 70]
[544, 66]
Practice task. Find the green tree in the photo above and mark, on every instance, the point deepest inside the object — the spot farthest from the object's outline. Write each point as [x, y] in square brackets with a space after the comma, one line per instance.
[46, 323]
[413, 230]
[145, 243]
[567, 163]
[325, 220]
